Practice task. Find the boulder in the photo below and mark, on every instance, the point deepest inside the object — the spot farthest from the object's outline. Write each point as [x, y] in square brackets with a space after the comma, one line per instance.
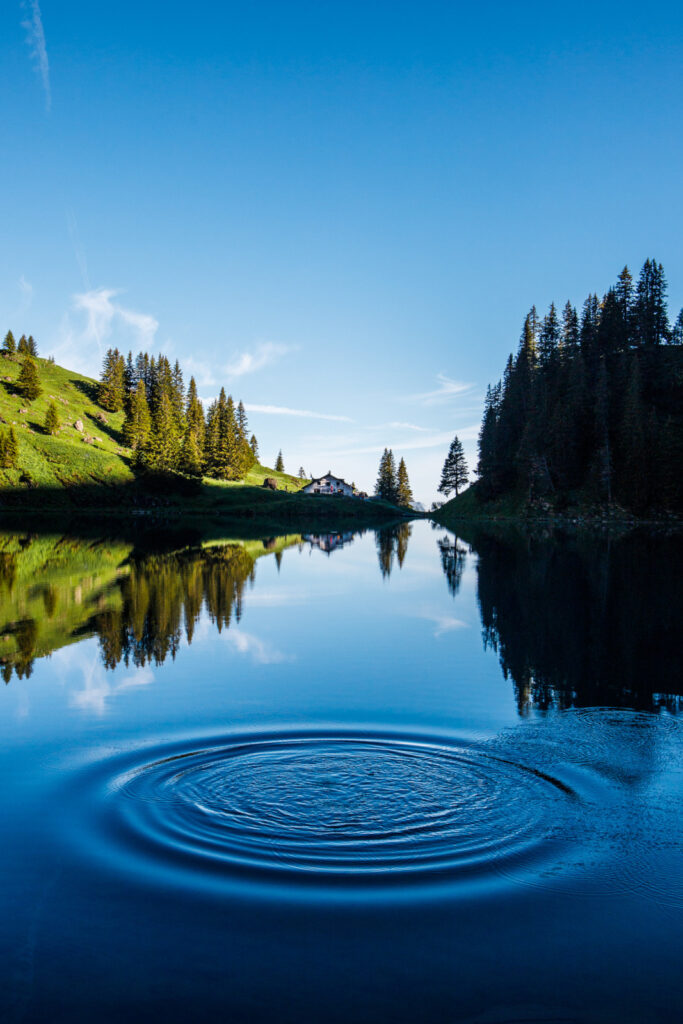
[79, 426]
[270, 482]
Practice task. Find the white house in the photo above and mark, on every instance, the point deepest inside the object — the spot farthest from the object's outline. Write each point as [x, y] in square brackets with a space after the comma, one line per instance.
[328, 484]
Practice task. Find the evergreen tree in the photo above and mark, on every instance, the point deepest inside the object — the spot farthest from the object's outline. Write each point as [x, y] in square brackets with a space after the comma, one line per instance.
[404, 494]
[22, 347]
[28, 383]
[549, 337]
[163, 448]
[190, 456]
[52, 419]
[111, 392]
[302, 473]
[194, 416]
[651, 318]
[570, 332]
[9, 449]
[280, 462]
[31, 347]
[138, 422]
[253, 444]
[677, 332]
[387, 485]
[9, 345]
[454, 475]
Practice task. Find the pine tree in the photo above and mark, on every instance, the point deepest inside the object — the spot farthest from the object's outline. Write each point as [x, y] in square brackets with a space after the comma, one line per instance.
[163, 448]
[22, 347]
[52, 419]
[386, 486]
[31, 346]
[190, 456]
[549, 337]
[9, 345]
[404, 495]
[280, 462]
[253, 444]
[302, 473]
[9, 449]
[569, 341]
[194, 415]
[677, 332]
[651, 318]
[454, 475]
[111, 392]
[138, 422]
[28, 383]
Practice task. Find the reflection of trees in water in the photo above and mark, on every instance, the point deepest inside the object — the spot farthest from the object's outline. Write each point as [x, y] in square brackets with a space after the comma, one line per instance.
[165, 594]
[392, 543]
[453, 558]
[584, 621]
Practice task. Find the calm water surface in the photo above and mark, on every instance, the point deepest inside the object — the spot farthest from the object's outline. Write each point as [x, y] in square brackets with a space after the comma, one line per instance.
[402, 776]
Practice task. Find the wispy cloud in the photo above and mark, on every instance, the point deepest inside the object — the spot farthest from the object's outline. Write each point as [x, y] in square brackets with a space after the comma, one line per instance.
[81, 344]
[35, 37]
[446, 390]
[26, 292]
[283, 410]
[445, 624]
[255, 648]
[433, 441]
[397, 425]
[262, 355]
[79, 251]
[102, 313]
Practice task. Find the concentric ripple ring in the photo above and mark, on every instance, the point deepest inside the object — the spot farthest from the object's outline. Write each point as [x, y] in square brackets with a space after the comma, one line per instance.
[346, 806]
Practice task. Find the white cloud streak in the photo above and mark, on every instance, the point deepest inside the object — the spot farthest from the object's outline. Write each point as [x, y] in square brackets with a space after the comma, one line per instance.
[283, 410]
[435, 441]
[447, 389]
[409, 426]
[263, 355]
[81, 346]
[35, 37]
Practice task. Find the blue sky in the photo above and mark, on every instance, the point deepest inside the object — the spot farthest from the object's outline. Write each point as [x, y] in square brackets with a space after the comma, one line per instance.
[342, 210]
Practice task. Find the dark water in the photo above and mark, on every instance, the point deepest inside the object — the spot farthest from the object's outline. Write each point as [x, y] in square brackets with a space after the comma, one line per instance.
[396, 777]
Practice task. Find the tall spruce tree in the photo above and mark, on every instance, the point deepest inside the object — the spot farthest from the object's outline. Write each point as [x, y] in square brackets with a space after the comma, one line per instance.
[651, 319]
[22, 346]
[137, 425]
[280, 462]
[31, 346]
[253, 444]
[111, 392]
[387, 485]
[404, 494]
[454, 474]
[9, 345]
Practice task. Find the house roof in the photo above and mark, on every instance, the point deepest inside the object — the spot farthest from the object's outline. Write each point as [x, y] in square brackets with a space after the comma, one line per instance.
[328, 476]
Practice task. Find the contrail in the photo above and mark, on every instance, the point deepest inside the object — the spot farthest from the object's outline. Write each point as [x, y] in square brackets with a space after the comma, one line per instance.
[35, 36]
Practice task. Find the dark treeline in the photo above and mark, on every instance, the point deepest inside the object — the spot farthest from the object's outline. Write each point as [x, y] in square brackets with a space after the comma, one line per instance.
[579, 621]
[165, 425]
[592, 404]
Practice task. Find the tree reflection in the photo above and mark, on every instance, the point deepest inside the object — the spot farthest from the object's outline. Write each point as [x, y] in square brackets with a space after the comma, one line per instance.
[453, 558]
[392, 545]
[583, 621]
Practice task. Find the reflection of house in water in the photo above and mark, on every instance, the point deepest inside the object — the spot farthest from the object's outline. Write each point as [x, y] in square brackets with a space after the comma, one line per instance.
[328, 542]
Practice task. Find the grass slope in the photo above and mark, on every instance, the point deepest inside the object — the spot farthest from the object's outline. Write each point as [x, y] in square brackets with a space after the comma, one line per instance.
[91, 470]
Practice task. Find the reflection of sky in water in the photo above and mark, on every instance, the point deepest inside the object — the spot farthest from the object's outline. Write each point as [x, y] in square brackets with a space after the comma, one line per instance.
[353, 724]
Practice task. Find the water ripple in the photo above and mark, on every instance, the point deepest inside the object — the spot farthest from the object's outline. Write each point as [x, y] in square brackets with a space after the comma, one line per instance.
[346, 807]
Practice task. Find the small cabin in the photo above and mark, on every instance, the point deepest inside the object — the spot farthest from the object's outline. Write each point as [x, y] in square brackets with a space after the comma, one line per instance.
[328, 484]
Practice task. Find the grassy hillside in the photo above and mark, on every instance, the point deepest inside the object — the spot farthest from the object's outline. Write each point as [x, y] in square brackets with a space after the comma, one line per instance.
[76, 459]
[95, 455]
[89, 469]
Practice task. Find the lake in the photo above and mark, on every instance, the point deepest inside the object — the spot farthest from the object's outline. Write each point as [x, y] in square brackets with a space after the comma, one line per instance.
[393, 776]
